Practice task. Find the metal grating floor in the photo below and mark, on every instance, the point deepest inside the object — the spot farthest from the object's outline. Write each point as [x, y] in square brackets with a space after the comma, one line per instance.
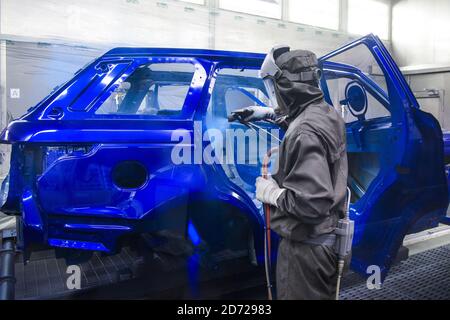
[424, 276]
[45, 276]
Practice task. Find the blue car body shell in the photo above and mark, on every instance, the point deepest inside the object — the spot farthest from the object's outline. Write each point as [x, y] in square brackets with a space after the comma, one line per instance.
[446, 220]
[61, 180]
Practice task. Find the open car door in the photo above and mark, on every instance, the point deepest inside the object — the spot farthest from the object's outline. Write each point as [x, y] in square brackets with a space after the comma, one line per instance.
[396, 155]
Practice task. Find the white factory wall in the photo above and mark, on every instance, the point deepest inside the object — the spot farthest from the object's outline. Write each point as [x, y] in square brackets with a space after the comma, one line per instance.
[421, 32]
[107, 22]
[44, 42]
[421, 41]
[438, 82]
[34, 69]
[159, 23]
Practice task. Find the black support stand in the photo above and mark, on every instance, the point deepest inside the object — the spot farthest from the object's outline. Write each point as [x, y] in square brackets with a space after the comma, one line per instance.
[7, 263]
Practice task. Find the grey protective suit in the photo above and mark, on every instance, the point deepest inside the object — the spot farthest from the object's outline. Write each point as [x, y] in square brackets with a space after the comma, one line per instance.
[313, 169]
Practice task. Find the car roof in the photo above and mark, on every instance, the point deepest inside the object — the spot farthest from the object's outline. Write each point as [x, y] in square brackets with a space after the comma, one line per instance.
[218, 55]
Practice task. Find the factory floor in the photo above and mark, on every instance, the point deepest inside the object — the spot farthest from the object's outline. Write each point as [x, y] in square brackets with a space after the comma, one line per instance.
[424, 276]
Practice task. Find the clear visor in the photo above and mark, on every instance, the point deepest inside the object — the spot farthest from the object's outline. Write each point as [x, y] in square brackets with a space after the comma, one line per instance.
[269, 68]
[270, 87]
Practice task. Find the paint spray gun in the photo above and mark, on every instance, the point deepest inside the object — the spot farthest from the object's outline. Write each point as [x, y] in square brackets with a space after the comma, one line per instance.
[344, 238]
[242, 115]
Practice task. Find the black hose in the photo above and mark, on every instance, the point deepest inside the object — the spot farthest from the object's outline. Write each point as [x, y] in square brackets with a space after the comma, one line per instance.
[7, 277]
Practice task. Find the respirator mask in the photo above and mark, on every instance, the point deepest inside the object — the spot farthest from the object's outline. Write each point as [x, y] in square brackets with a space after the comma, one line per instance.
[271, 73]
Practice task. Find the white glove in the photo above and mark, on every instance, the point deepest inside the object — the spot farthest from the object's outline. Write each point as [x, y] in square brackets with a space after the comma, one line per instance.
[268, 191]
[256, 114]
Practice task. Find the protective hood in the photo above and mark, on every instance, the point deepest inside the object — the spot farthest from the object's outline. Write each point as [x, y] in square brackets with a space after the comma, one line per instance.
[295, 94]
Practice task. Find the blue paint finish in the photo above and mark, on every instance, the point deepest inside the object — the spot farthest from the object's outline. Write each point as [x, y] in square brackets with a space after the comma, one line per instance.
[193, 273]
[193, 234]
[446, 140]
[446, 220]
[447, 143]
[63, 156]
[78, 245]
[92, 227]
[32, 220]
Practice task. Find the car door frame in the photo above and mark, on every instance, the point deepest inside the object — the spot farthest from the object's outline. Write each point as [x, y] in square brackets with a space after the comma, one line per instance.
[406, 212]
